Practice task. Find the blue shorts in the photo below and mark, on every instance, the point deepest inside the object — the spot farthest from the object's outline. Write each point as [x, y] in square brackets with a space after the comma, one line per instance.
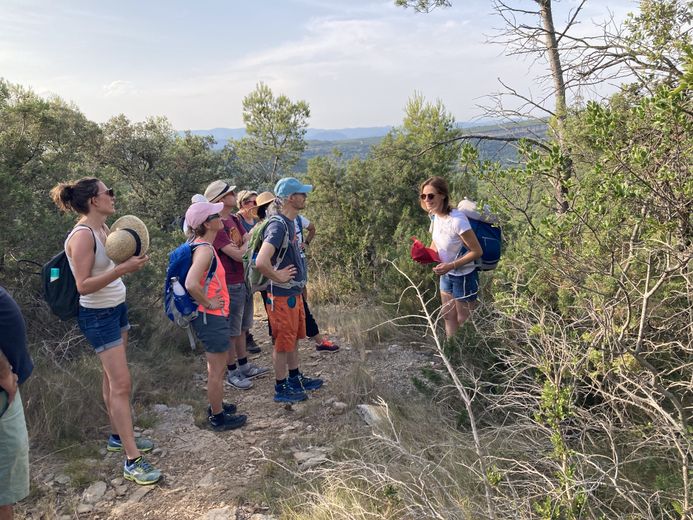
[214, 334]
[103, 328]
[464, 288]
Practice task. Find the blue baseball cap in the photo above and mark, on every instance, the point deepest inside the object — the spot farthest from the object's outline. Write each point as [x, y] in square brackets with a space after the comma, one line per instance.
[290, 185]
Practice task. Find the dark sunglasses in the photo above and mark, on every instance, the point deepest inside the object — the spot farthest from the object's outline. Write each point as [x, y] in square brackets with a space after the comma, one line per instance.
[427, 196]
[250, 202]
[110, 192]
[212, 217]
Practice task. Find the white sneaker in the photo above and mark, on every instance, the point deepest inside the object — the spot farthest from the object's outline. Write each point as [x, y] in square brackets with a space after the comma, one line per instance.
[251, 370]
[238, 380]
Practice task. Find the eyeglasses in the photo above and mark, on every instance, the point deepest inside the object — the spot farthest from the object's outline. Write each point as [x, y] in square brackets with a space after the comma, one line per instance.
[250, 202]
[212, 217]
[110, 192]
[428, 196]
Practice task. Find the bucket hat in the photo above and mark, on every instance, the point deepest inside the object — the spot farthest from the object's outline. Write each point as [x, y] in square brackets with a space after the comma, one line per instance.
[217, 190]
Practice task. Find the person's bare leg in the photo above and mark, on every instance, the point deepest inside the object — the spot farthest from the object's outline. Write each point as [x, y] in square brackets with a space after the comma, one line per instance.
[116, 368]
[449, 312]
[292, 358]
[280, 360]
[464, 311]
[216, 367]
[6, 512]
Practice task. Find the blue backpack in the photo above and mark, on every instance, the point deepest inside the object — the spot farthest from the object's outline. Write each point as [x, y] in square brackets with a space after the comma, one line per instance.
[488, 233]
[179, 306]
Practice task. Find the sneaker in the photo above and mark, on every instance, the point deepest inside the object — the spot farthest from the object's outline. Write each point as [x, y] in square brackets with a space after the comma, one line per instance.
[251, 370]
[250, 344]
[141, 472]
[301, 382]
[236, 379]
[286, 394]
[327, 346]
[226, 421]
[116, 445]
[227, 407]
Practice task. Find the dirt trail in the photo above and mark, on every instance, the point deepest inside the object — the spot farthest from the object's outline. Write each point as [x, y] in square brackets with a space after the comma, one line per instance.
[210, 475]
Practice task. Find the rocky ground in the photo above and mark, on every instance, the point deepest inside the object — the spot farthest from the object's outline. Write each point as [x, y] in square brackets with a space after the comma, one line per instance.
[219, 476]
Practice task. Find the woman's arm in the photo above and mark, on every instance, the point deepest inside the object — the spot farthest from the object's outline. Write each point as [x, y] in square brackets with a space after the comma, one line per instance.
[81, 251]
[474, 251]
[202, 258]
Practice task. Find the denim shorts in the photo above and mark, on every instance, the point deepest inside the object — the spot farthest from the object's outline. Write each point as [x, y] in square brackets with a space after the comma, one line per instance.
[14, 451]
[240, 308]
[103, 328]
[214, 334]
[464, 288]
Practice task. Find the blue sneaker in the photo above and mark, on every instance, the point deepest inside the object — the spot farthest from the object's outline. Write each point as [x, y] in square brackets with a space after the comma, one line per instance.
[284, 393]
[141, 472]
[116, 445]
[301, 382]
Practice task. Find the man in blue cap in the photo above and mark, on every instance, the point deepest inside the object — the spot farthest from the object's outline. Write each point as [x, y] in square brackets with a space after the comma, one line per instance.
[284, 301]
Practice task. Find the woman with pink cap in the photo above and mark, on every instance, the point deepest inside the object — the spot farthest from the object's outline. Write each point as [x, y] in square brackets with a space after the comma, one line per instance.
[212, 324]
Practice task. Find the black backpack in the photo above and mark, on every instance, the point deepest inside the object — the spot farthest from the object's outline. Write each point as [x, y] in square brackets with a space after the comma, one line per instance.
[59, 286]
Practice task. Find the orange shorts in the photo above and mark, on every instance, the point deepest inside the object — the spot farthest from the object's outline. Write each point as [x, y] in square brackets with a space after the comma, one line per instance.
[287, 319]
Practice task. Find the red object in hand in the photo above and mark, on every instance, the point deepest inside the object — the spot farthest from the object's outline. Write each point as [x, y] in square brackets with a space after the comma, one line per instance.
[422, 254]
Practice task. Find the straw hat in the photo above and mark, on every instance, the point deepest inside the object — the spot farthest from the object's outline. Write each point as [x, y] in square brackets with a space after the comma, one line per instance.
[217, 190]
[128, 237]
[264, 198]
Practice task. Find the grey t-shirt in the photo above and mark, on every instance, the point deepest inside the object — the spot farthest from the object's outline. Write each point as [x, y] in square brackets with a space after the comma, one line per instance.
[274, 234]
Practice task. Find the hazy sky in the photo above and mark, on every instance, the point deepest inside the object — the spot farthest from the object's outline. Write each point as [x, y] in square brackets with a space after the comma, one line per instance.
[356, 62]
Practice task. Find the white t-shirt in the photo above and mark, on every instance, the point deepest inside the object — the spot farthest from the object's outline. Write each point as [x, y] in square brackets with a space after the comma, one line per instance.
[446, 236]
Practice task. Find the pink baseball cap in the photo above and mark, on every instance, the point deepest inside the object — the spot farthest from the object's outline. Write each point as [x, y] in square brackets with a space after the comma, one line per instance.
[198, 212]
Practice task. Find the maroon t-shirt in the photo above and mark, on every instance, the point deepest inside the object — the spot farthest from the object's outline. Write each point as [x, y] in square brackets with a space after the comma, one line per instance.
[232, 233]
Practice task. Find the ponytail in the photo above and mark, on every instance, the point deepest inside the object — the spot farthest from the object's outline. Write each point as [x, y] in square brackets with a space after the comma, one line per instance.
[74, 196]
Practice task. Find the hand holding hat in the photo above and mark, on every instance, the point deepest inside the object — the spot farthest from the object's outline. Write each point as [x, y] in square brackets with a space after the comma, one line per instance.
[128, 237]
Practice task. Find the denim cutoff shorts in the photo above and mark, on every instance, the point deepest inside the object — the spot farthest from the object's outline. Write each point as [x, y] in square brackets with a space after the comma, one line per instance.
[464, 288]
[214, 334]
[103, 328]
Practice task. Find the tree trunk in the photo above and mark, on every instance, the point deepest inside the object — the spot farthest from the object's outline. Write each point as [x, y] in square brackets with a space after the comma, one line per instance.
[565, 166]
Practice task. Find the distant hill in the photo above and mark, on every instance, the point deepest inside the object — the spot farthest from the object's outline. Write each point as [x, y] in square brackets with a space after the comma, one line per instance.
[357, 142]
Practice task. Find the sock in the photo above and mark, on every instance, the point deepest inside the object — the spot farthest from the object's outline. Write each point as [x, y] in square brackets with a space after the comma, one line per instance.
[115, 437]
[242, 361]
[294, 372]
[281, 381]
[231, 367]
[132, 461]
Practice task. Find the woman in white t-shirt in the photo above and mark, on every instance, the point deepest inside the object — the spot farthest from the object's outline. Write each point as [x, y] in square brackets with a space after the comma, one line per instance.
[458, 248]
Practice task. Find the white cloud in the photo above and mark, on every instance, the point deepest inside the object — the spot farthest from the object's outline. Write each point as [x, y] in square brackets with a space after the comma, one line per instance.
[119, 88]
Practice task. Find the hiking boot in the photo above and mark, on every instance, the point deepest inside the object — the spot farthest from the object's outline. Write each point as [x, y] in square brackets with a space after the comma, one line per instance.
[326, 346]
[225, 421]
[286, 394]
[301, 382]
[141, 472]
[116, 445]
[227, 407]
[251, 370]
[236, 379]
[250, 344]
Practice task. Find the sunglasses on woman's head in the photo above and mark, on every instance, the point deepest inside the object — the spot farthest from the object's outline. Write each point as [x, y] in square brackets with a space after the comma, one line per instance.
[212, 217]
[110, 192]
[428, 196]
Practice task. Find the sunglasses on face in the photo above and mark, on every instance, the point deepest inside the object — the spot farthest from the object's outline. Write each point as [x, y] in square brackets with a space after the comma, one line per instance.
[250, 202]
[110, 192]
[212, 217]
[428, 196]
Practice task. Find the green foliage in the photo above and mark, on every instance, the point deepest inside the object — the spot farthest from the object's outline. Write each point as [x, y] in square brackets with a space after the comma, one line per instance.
[274, 141]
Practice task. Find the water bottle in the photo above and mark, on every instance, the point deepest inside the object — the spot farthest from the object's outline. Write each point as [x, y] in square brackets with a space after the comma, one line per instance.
[55, 273]
[178, 289]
